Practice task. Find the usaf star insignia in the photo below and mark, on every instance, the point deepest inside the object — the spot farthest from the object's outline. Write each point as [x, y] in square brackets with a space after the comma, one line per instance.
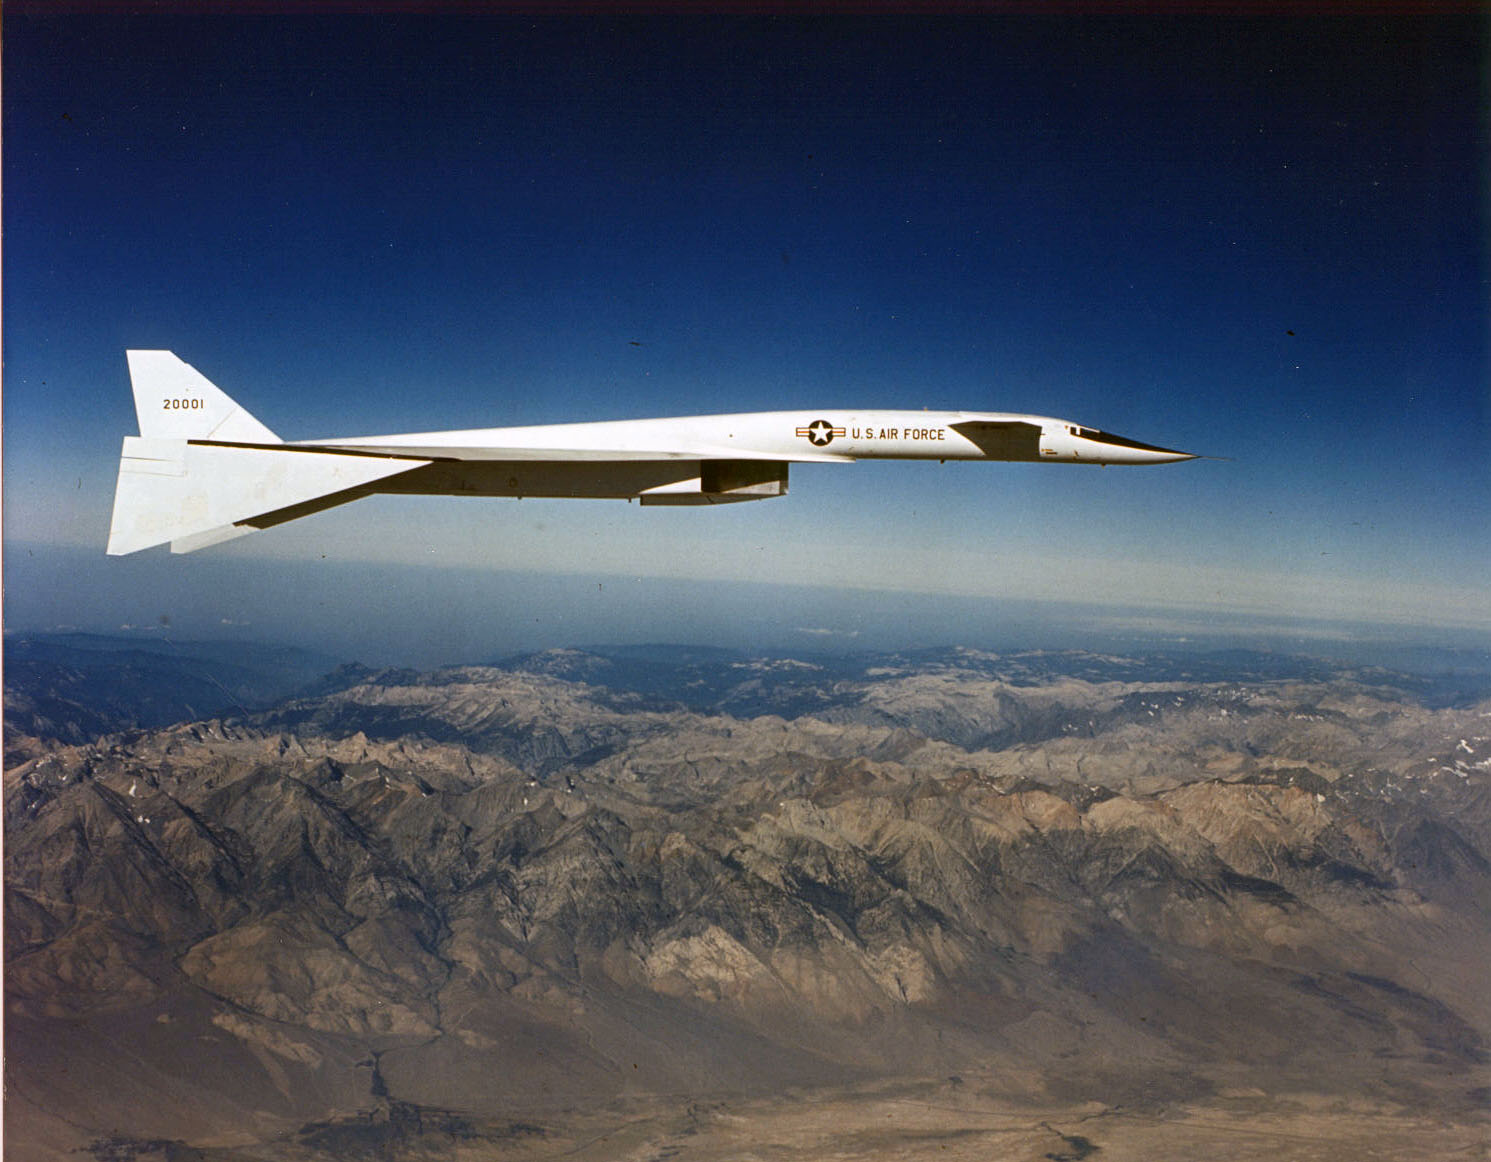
[820, 432]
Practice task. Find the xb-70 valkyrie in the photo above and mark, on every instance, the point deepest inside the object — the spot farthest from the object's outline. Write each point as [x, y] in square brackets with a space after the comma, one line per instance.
[203, 470]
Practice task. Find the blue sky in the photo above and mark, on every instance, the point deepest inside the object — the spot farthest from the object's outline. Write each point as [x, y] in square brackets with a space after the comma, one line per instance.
[1261, 239]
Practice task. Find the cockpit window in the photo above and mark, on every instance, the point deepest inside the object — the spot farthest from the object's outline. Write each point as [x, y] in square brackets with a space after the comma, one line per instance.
[1117, 441]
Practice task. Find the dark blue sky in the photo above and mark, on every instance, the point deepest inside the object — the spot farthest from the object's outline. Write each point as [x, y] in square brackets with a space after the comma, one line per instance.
[1256, 238]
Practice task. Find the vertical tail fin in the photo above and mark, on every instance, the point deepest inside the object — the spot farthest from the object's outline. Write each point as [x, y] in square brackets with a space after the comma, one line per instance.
[173, 400]
[187, 479]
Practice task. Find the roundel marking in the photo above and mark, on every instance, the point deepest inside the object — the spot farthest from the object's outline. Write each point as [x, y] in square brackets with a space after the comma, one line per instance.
[820, 432]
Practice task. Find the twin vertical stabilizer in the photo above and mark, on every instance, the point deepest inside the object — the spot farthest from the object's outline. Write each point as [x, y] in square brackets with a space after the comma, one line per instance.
[203, 470]
[173, 400]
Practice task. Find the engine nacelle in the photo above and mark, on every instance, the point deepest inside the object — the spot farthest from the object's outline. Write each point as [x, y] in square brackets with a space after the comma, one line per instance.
[724, 482]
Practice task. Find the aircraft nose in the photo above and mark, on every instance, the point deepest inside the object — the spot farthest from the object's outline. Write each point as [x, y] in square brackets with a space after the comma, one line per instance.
[1169, 456]
[1135, 452]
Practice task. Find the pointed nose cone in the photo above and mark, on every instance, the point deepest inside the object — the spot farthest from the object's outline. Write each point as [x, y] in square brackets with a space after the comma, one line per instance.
[1122, 450]
[1167, 456]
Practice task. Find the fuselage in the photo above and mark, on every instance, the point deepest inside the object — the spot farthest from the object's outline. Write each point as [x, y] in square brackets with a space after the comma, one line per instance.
[811, 435]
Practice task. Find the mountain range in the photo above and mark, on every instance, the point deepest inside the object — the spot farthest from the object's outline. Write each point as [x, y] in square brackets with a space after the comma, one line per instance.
[481, 911]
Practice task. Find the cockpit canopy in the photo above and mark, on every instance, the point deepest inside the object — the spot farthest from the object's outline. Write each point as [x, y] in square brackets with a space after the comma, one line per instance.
[1099, 437]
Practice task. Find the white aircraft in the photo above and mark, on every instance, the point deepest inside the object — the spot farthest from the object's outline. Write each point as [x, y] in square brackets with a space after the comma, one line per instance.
[203, 471]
